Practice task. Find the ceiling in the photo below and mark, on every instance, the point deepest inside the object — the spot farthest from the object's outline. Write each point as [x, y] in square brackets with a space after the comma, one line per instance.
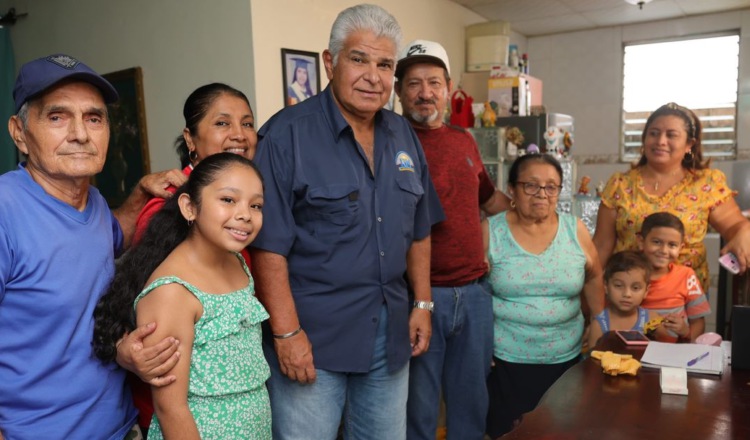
[541, 17]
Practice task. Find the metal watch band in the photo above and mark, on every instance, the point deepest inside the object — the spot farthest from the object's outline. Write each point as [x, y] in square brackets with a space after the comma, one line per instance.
[426, 305]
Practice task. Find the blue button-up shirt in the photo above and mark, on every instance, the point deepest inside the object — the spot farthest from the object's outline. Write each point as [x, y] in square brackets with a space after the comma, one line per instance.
[345, 232]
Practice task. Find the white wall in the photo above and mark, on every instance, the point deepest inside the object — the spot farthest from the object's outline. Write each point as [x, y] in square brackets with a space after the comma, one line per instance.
[179, 44]
[182, 44]
[306, 25]
[582, 74]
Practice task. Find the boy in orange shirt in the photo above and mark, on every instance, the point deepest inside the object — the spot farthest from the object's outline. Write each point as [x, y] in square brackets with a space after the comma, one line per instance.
[674, 290]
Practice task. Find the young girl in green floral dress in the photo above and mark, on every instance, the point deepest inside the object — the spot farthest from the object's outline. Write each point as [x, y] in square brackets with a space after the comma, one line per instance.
[199, 290]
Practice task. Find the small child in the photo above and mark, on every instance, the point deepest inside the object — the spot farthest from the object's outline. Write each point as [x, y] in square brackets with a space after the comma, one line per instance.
[626, 278]
[187, 275]
[674, 291]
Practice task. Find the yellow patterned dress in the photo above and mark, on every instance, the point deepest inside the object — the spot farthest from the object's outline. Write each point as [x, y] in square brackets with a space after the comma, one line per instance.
[227, 393]
[692, 200]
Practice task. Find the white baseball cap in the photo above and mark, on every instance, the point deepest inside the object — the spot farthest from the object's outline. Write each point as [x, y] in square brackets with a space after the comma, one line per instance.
[422, 51]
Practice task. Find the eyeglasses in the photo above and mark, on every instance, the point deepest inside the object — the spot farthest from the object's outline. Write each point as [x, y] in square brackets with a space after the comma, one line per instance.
[532, 189]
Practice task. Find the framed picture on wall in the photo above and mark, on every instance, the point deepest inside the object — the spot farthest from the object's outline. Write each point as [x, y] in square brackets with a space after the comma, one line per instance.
[127, 156]
[300, 72]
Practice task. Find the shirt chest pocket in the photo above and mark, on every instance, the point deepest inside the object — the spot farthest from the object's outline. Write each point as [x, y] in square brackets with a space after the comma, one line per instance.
[411, 191]
[332, 209]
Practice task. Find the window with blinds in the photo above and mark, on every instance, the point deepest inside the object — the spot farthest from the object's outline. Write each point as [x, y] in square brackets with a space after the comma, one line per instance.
[698, 73]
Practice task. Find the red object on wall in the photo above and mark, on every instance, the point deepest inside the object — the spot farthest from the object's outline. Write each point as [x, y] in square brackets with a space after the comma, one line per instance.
[461, 114]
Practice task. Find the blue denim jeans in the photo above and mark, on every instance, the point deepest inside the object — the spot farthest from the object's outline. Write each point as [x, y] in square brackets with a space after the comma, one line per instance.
[458, 360]
[371, 405]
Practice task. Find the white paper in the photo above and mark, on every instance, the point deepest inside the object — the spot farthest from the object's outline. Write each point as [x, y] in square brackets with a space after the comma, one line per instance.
[673, 381]
[661, 354]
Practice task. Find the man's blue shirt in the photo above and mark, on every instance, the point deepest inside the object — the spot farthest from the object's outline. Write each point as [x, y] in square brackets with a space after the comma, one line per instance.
[55, 264]
[344, 232]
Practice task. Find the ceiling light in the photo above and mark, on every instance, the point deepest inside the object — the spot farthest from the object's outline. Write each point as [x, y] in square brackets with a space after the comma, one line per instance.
[639, 3]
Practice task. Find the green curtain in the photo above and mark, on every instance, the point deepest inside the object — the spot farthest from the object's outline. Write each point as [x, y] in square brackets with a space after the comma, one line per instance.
[8, 152]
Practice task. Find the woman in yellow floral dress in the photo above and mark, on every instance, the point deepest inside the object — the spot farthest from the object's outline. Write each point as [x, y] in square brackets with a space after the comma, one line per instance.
[672, 176]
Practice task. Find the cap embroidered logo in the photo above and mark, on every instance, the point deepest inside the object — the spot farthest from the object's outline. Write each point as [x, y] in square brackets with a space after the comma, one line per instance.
[416, 49]
[64, 61]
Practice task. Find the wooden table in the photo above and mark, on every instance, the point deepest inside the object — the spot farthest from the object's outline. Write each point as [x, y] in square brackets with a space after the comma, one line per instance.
[587, 404]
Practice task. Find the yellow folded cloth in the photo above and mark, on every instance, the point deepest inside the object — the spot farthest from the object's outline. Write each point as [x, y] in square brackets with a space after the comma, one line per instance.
[614, 364]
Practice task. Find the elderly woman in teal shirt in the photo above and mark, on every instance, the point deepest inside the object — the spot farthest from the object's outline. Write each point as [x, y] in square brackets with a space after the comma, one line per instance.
[541, 264]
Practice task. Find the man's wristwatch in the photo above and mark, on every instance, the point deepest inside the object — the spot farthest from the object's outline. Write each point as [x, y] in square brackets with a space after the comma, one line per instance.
[426, 305]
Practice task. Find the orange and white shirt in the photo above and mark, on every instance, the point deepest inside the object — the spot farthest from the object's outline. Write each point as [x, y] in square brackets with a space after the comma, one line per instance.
[679, 291]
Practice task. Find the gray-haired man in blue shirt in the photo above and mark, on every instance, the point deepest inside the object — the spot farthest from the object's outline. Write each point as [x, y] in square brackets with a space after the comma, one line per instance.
[349, 205]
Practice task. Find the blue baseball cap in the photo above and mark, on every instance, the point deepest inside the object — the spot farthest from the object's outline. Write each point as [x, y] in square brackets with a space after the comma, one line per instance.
[39, 75]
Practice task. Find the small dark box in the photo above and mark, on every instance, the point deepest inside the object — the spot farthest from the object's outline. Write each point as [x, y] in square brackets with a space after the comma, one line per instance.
[741, 337]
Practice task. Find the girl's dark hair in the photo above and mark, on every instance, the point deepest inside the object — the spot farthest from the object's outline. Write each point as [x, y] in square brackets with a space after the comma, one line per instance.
[114, 314]
[626, 261]
[522, 162]
[662, 220]
[195, 109]
[693, 161]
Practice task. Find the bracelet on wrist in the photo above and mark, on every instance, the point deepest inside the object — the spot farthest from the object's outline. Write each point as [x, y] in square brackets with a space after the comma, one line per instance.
[288, 335]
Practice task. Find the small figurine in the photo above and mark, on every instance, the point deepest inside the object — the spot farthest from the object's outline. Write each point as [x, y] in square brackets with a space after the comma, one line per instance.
[533, 149]
[554, 139]
[599, 189]
[558, 141]
[478, 110]
[514, 138]
[489, 116]
[584, 188]
[567, 143]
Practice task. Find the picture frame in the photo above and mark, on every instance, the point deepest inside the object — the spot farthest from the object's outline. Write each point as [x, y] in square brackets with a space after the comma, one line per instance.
[127, 157]
[294, 90]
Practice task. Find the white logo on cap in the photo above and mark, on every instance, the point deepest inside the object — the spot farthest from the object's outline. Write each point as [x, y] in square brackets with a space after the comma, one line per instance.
[417, 48]
[64, 61]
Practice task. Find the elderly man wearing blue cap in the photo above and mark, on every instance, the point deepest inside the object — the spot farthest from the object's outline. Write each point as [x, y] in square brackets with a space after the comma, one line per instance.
[58, 240]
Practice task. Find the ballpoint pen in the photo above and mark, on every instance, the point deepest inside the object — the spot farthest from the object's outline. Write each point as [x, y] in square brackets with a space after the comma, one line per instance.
[692, 362]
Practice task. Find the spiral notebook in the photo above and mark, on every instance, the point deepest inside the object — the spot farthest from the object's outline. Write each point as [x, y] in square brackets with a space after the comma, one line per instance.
[695, 358]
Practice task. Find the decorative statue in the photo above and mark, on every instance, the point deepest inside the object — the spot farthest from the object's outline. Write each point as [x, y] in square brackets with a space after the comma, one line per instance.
[584, 188]
[567, 142]
[514, 138]
[558, 141]
[599, 189]
[489, 116]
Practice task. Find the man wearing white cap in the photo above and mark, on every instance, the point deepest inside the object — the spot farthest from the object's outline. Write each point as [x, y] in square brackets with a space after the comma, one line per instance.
[58, 241]
[460, 351]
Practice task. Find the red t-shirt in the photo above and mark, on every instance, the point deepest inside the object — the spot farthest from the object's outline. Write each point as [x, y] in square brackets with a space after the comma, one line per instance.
[462, 184]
